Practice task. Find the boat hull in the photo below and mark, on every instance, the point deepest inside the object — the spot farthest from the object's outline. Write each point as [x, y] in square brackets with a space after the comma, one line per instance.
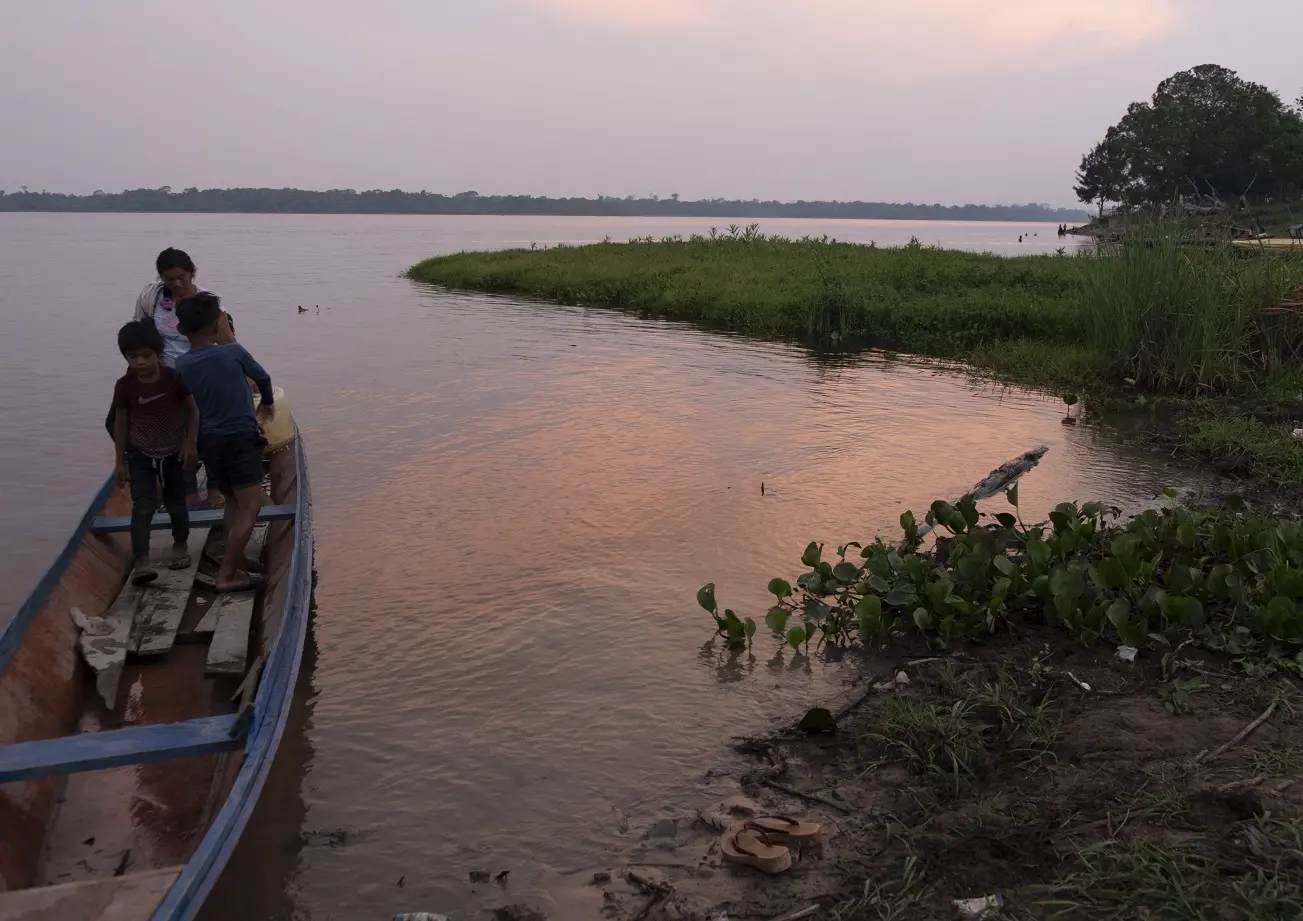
[175, 820]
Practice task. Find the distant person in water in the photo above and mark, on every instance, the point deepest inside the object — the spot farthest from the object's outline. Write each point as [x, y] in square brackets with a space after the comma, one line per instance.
[154, 438]
[230, 439]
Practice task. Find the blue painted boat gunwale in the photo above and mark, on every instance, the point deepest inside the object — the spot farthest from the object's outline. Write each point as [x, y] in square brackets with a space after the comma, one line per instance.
[270, 712]
[12, 636]
[199, 518]
[95, 751]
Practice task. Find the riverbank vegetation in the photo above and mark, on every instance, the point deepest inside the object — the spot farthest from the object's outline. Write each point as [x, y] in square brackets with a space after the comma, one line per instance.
[1090, 717]
[1194, 335]
[396, 201]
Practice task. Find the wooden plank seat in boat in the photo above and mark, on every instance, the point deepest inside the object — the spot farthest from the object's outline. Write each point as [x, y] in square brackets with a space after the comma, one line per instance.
[199, 518]
[118, 898]
[93, 751]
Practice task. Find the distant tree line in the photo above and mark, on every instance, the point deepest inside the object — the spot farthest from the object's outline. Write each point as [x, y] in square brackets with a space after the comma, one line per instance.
[396, 201]
[1205, 132]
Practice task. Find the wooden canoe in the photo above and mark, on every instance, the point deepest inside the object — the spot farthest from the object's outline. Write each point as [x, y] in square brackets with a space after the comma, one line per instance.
[137, 733]
[1269, 243]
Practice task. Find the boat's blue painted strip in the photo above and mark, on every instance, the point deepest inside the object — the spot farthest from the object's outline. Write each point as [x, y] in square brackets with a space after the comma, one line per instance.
[271, 709]
[199, 518]
[93, 751]
[18, 624]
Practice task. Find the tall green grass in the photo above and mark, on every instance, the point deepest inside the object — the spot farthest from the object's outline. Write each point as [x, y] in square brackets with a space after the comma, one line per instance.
[1182, 318]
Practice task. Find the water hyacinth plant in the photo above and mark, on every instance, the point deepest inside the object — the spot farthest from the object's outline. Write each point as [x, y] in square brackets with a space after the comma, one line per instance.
[1225, 579]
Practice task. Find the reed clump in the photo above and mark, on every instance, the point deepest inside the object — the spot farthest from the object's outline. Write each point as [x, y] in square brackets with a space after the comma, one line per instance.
[1174, 316]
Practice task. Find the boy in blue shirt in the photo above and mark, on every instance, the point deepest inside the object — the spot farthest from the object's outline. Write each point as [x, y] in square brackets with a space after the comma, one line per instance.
[230, 439]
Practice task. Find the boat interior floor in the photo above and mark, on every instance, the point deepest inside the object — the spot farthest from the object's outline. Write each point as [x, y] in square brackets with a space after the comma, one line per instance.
[120, 833]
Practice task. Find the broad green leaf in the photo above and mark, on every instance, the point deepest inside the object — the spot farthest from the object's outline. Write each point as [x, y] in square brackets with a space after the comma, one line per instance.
[923, 619]
[750, 625]
[880, 585]
[1039, 553]
[1184, 610]
[968, 508]
[706, 597]
[868, 606]
[780, 587]
[846, 572]
[776, 620]
[1006, 520]
[812, 554]
[1006, 566]
[1067, 582]
[1011, 494]
[899, 597]
[1111, 573]
[871, 631]
[909, 525]
[795, 637]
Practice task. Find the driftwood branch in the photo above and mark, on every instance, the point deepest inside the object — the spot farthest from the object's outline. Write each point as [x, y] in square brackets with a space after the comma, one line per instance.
[808, 797]
[998, 480]
[1243, 734]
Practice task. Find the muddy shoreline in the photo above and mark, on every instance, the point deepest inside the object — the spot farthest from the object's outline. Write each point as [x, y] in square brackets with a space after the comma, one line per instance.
[1003, 770]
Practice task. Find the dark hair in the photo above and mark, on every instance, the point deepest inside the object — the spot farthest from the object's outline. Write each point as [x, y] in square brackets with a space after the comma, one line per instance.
[198, 312]
[171, 258]
[140, 334]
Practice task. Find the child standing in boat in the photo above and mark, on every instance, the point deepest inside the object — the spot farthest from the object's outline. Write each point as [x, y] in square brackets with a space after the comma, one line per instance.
[230, 438]
[154, 429]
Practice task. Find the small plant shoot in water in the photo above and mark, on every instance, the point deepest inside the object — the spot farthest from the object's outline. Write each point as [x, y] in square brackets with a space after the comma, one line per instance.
[1224, 579]
[735, 630]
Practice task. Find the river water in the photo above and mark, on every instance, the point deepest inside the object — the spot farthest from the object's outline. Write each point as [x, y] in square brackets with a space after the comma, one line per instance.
[514, 504]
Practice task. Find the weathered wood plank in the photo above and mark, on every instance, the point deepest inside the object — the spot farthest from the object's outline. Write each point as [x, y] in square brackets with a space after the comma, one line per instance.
[94, 751]
[106, 653]
[165, 602]
[199, 518]
[999, 479]
[228, 653]
[118, 898]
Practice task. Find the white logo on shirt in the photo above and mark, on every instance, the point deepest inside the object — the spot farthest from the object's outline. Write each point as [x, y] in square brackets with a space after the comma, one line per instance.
[157, 396]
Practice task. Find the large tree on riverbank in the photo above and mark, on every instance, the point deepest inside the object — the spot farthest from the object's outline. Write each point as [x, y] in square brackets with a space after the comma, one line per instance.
[1205, 130]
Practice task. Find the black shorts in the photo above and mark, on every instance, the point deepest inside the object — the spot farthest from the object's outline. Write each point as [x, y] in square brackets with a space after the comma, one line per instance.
[232, 461]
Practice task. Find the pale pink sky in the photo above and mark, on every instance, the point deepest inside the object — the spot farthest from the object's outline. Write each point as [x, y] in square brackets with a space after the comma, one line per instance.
[924, 100]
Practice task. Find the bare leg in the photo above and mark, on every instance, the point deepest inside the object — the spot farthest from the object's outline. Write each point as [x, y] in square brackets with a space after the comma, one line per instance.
[240, 516]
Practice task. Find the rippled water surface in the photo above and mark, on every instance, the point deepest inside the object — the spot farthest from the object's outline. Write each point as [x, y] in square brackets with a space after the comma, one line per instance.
[515, 504]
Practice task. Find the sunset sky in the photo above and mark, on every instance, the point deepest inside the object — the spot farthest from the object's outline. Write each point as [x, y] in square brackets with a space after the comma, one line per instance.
[947, 101]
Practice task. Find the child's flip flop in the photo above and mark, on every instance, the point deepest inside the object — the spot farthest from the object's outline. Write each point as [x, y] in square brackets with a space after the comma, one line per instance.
[780, 829]
[752, 848]
[181, 560]
[143, 576]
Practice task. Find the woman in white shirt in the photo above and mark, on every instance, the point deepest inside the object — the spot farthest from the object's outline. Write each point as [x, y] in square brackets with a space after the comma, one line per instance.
[157, 302]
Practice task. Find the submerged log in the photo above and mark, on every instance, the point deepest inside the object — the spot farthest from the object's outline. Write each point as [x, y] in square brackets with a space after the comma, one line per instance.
[998, 480]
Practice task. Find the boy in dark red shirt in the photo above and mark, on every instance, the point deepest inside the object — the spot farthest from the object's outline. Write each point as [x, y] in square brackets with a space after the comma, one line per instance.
[156, 423]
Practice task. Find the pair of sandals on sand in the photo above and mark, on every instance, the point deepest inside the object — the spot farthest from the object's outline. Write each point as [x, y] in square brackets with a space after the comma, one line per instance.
[760, 842]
